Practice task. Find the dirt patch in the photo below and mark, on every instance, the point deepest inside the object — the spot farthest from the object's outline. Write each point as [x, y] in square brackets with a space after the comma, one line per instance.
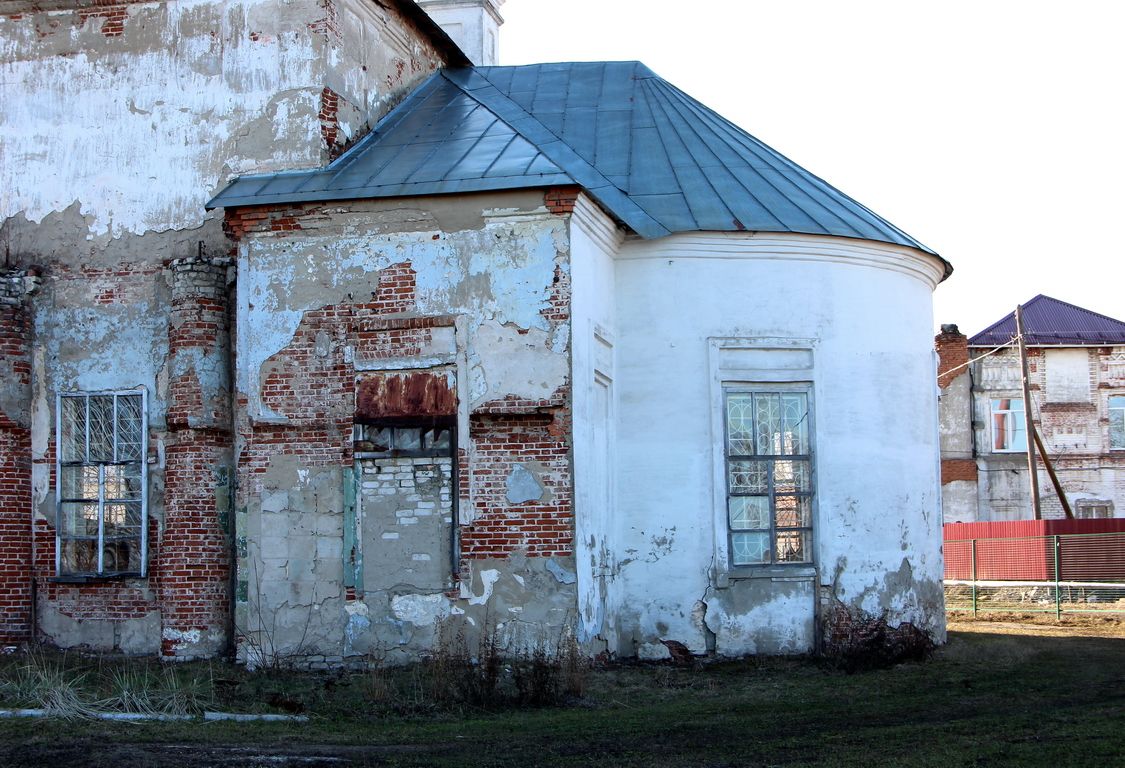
[1040, 625]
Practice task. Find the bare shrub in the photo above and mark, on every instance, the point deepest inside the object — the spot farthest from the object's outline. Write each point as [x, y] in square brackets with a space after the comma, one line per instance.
[535, 673]
[455, 675]
[574, 665]
[859, 643]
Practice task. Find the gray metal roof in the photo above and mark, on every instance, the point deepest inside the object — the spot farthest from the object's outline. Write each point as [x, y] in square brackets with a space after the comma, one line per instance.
[652, 156]
[1050, 322]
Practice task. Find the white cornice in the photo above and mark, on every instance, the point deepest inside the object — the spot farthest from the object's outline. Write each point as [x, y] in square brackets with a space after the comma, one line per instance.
[790, 247]
[589, 216]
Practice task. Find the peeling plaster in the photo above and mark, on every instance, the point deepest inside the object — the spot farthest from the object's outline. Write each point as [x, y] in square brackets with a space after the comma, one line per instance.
[523, 485]
[500, 274]
[488, 579]
[420, 610]
[562, 576]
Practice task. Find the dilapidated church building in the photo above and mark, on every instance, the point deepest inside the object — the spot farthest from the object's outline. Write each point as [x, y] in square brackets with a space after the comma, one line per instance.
[317, 331]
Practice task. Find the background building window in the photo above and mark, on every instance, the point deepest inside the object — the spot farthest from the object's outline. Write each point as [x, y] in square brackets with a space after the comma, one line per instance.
[1009, 428]
[101, 481]
[769, 477]
[1093, 509]
[1117, 423]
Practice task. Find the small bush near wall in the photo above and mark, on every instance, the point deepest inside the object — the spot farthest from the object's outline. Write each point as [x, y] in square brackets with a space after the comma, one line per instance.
[858, 643]
[504, 670]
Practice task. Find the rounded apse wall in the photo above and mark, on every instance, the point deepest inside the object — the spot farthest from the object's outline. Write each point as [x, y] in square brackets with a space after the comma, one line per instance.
[847, 322]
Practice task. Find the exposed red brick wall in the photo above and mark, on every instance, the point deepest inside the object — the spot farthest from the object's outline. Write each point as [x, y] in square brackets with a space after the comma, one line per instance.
[195, 561]
[953, 354]
[15, 465]
[15, 533]
[329, 121]
[561, 200]
[539, 528]
[958, 469]
[113, 14]
[313, 388]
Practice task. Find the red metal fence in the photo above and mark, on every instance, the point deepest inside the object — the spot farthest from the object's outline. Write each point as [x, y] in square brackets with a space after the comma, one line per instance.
[1036, 565]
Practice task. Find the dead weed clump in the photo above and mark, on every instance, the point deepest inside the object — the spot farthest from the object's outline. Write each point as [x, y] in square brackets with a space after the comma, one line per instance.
[504, 671]
[73, 687]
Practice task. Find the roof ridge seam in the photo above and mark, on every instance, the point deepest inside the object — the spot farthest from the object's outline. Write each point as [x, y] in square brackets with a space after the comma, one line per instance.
[494, 100]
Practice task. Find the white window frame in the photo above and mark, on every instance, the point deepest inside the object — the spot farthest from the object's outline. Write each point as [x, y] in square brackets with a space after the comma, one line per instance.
[1115, 409]
[60, 463]
[1011, 417]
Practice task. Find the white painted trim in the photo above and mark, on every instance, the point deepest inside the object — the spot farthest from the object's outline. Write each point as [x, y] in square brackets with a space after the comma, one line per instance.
[790, 247]
[593, 221]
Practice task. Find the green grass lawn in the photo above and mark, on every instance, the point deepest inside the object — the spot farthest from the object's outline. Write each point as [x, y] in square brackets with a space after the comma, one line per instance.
[984, 700]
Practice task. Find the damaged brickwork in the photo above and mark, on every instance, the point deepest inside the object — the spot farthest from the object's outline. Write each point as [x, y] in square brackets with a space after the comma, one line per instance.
[135, 284]
[400, 350]
[15, 457]
[195, 558]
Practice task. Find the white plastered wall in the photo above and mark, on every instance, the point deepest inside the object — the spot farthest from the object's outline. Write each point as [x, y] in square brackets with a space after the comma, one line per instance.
[594, 240]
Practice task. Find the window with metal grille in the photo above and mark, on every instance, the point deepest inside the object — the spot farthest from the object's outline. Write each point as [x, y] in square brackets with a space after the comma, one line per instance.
[769, 477]
[101, 484]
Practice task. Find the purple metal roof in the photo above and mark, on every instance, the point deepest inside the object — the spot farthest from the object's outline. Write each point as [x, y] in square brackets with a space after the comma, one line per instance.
[1048, 321]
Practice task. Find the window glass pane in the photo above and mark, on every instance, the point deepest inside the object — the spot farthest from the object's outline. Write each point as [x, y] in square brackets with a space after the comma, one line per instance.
[748, 476]
[123, 519]
[791, 476]
[793, 511]
[767, 418]
[438, 439]
[79, 482]
[121, 556]
[122, 481]
[79, 519]
[129, 428]
[101, 428]
[381, 438]
[740, 425]
[79, 556]
[73, 422]
[795, 423]
[750, 548]
[749, 512]
[793, 547]
[408, 439]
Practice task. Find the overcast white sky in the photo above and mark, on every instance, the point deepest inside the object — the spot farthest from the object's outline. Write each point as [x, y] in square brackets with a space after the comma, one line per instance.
[993, 131]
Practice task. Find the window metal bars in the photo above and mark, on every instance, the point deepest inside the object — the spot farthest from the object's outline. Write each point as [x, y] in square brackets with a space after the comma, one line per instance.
[803, 428]
[141, 463]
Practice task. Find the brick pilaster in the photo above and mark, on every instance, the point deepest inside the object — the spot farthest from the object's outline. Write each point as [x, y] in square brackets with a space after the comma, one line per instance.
[15, 458]
[195, 552]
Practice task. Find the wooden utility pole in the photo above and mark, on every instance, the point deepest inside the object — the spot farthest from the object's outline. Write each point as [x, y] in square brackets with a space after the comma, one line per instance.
[1032, 437]
[1054, 477]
